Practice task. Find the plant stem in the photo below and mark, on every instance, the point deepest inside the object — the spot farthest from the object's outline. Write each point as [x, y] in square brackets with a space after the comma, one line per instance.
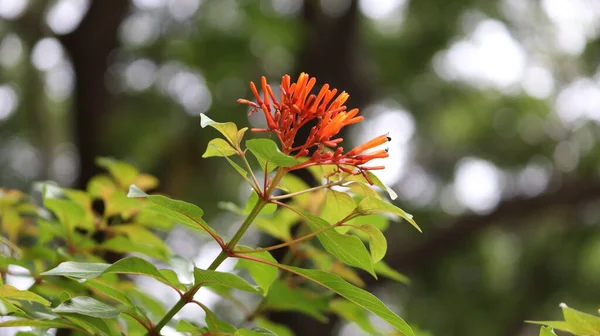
[291, 242]
[225, 253]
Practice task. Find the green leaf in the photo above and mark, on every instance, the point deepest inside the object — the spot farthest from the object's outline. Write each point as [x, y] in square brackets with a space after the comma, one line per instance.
[11, 223]
[372, 205]
[279, 225]
[78, 270]
[376, 181]
[216, 324]
[559, 325]
[184, 326]
[210, 278]
[254, 332]
[218, 147]
[69, 213]
[39, 324]
[179, 211]
[6, 307]
[283, 298]
[134, 328]
[377, 242]
[137, 266]
[101, 288]
[581, 323]
[139, 235]
[353, 313]
[354, 294]
[147, 303]
[123, 172]
[348, 249]
[121, 244]
[253, 199]
[94, 325]
[131, 265]
[100, 186]
[117, 203]
[88, 306]
[36, 310]
[266, 150]
[547, 331]
[277, 329]
[384, 269]
[336, 206]
[263, 275]
[235, 166]
[228, 129]
[11, 293]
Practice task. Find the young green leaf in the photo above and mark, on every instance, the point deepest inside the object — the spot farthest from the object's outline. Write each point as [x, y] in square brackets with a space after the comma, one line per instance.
[218, 147]
[263, 275]
[178, 211]
[11, 293]
[94, 325]
[123, 172]
[134, 327]
[283, 298]
[377, 242]
[353, 313]
[581, 323]
[40, 324]
[376, 181]
[547, 331]
[277, 329]
[147, 303]
[101, 289]
[208, 278]
[558, 325]
[78, 270]
[228, 129]
[372, 205]
[88, 306]
[121, 244]
[217, 325]
[140, 235]
[130, 265]
[384, 269]
[356, 295]
[348, 249]
[11, 223]
[279, 225]
[254, 332]
[184, 326]
[336, 206]
[69, 213]
[266, 150]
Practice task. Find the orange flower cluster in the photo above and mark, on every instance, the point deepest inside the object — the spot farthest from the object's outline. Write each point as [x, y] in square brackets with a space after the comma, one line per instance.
[296, 107]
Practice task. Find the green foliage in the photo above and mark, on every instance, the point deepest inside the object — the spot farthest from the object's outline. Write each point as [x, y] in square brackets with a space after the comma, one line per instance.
[77, 288]
[575, 322]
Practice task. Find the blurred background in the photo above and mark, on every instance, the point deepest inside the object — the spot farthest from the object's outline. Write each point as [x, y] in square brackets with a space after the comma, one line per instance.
[493, 107]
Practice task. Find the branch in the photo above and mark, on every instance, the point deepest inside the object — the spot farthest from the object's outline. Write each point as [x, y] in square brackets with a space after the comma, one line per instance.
[89, 47]
[456, 233]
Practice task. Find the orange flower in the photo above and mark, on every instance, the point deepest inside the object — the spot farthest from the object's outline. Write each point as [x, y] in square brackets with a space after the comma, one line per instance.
[296, 107]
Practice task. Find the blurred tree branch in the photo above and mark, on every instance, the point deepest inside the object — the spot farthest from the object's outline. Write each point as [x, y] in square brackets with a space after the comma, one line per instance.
[90, 46]
[456, 233]
[33, 105]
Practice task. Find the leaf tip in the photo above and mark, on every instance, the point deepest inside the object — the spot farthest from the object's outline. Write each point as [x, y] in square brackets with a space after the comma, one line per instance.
[135, 192]
[205, 120]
